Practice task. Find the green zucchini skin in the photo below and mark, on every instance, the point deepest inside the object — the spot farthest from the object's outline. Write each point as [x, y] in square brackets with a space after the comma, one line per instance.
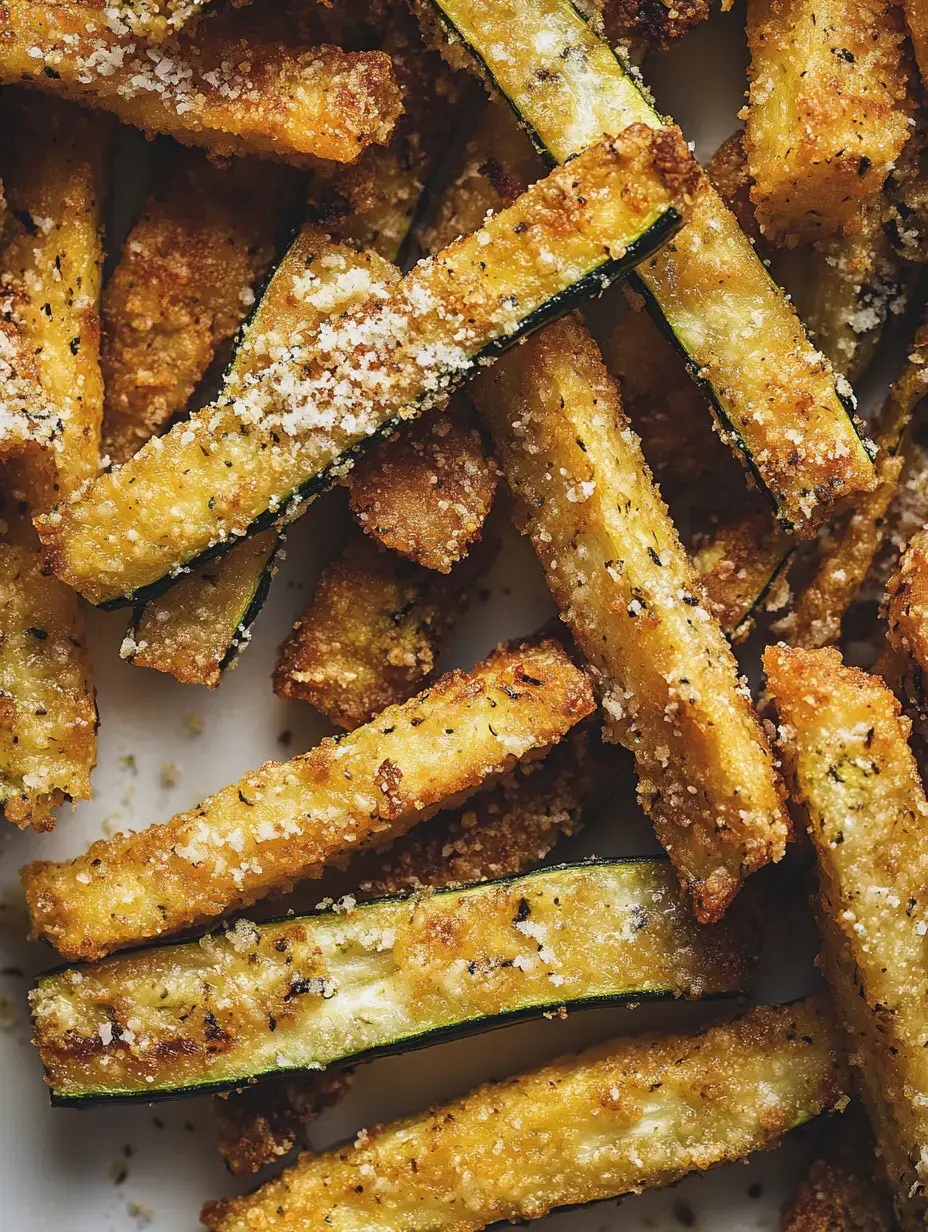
[645, 947]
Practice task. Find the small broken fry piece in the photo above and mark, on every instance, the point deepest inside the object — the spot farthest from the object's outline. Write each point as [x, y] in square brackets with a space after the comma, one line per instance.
[427, 493]
[233, 95]
[828, 111]
[667, 677]
[371, 635]
[710, 1098]
[288, 821]
[846, 746]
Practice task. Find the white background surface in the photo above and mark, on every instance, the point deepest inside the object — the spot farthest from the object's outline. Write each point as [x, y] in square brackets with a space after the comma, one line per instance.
[57, 1166]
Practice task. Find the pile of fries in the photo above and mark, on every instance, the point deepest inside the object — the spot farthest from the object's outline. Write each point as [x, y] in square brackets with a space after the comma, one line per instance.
[592, 313]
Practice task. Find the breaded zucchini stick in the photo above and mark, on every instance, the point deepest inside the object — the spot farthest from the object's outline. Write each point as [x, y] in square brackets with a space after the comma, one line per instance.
[619, 1118]
[625, 588]
[653, 22]
[742, 566]
[827, 114]
[370, 636]
[501, 831]
[233, 95]
[848, 555]
[846, 746]
[54, 159]
[287, 822]
[907, 618]
[842, 1191]
[184, 284]
[276, 438]
[775, 397]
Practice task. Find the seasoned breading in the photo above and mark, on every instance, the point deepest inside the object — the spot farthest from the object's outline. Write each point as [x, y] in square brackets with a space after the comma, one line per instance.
[234, 95]
[827, 113]
[288, 821]
[846, 746]
[907, 615]
[184, 284]
[842, 1191]
[625, 588]
[370, 636]
[742, 566]
[155, 20]
[917, 22]
[657, 23]
[561, 1135]
[53, 157]
[280, 435]
[427, 493]
[501, 832]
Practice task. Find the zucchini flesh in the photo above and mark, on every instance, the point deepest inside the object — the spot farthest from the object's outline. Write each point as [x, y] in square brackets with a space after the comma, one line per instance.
[624, 585]
[287, 821]
[54, 160]
[827, 113]
[502, 832]
[48, 714]
[628, 1115]
[292, 103]
[279, 436]
[775, 397]
[333, 988]
[853, 770]
[201, 625]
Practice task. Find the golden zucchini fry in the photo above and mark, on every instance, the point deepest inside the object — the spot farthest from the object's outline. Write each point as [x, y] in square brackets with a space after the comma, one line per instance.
[276, 438]
[907, 619]
[370, 636]
[776, 399]
[846, 746]
[53, 158]
[917, 21]
[828, 111]
[48, 714]
[502, 831]
[184, 284]
[154, 20]
[655, 23]
[196, 630]
[627, 591]
[287, 822]
[842, 1191]
[426, 494]
[847, 556]
[617, 1119]
[234, 95]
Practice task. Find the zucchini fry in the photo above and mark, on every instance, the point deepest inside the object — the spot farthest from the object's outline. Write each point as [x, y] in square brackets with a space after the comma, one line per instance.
[288, 821]
[625, 1116]
[907, 619]
[233, 95]
[626, 590]
[196, 630]
[295, 994]
[278, 437]
[917, 23]
[775, 397]
[371, 635]
[205, 238]
[848, 555]
[48, 714]
[742, 565]
[53, 158]
[841, 1192]
[868, 818]
[501, 832]
[816, 159]
[426, 494]
[654, 22]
